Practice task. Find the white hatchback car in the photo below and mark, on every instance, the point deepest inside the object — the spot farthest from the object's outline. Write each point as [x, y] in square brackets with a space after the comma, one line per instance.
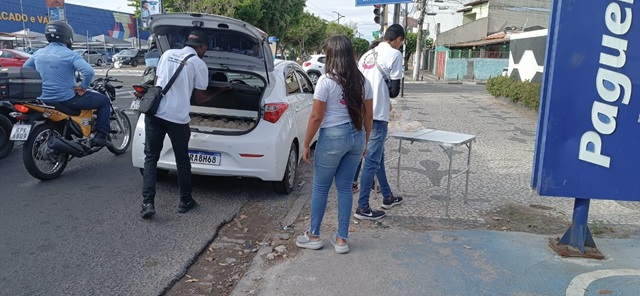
[315, 67]
[254, 129]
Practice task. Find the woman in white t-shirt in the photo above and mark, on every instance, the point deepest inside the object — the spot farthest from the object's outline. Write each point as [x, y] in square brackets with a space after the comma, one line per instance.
[343, 112]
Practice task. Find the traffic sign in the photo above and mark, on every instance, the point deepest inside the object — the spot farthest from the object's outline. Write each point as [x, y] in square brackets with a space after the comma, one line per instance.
[587, 142]
[375, 2]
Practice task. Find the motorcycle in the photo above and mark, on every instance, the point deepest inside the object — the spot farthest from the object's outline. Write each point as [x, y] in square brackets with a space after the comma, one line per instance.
[55, 134]
[6, 123]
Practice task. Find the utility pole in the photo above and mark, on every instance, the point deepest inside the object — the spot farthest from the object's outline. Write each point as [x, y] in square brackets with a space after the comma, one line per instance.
[404, 47]
[418, 59]
[396, 13]
[339, 16]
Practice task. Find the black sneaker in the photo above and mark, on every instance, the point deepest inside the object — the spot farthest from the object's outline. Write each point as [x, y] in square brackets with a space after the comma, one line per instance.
[100, 140]
[368, 214]
[148, 210]
[388, 203]
[186, 206]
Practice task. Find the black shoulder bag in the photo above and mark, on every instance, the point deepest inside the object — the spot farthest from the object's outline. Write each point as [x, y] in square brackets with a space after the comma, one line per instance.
[151, 100]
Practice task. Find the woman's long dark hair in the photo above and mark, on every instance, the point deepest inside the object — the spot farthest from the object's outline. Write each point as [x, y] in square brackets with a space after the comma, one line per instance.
[341, 67]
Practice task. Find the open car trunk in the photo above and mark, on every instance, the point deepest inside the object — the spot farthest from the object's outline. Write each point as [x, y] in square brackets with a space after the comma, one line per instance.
[235, 106]
[239, 61]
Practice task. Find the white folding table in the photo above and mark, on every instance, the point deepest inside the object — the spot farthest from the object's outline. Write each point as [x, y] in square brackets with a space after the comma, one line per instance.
[448, 141]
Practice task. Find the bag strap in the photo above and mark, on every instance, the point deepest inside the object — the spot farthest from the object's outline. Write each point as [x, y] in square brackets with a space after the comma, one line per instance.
[375, 60]
[175, 75]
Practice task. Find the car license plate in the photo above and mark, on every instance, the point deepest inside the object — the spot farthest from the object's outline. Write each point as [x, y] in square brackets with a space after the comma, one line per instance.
[20, 132]
[135, 104]
[201, 157]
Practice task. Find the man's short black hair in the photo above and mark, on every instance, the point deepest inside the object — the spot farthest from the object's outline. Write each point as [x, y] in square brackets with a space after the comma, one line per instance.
[393, 32]
[144, 2]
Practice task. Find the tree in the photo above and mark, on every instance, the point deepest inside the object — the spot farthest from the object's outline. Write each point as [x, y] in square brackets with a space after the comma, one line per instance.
[219, 7]
[360, 46]
[410, 48]
[308, 33]
[335, 29]
[249, 11]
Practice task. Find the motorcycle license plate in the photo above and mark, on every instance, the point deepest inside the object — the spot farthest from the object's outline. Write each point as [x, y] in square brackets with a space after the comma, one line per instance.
[135, 104]
[20, 132]
[210, 158]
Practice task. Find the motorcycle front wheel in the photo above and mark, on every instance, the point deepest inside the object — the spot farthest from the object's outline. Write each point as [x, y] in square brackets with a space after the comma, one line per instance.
[120, 132]
[41, 161]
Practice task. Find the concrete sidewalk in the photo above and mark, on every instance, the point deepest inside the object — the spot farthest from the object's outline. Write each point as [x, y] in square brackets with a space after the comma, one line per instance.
[455, 263]
[417, 250]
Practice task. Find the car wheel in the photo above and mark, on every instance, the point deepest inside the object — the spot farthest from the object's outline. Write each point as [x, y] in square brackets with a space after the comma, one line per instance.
[117, 64]
[289, 179]
[99, 62]
[314, 77]
[134, 63]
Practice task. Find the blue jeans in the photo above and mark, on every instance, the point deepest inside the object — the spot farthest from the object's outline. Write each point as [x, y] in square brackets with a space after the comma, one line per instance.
[374, 165]
[179, 134]
[93, 100]
[338, 152]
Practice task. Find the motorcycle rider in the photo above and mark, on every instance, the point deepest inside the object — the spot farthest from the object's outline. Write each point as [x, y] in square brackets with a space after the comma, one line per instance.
[57, 65]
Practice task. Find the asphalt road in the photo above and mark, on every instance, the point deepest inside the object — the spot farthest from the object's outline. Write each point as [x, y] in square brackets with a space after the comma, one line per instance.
[81, 233]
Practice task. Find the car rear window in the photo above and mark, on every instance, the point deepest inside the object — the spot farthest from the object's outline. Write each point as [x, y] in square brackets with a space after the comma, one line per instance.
[219, 40]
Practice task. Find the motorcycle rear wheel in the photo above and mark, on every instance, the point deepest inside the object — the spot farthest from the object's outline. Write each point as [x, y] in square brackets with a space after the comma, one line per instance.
[6, 145]
[41, 161]
[120, 132]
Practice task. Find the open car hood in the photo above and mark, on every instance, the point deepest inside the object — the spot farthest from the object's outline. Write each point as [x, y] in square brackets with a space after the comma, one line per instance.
[232, 43]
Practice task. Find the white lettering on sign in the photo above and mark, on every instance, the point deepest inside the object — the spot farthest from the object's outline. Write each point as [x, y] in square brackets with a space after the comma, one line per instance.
[611, 85]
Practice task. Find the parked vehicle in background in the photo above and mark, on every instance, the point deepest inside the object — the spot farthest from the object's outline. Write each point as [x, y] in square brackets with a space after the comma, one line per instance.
[255, 125]
[6, 124]
[132, 56]
[12, 58]
[314, 67]
[91, 56]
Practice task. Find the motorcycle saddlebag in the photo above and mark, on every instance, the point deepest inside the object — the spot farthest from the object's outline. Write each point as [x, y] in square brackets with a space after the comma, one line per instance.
[19, 84]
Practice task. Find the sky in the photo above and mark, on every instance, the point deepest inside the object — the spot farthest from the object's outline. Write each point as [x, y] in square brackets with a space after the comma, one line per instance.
[326, 9]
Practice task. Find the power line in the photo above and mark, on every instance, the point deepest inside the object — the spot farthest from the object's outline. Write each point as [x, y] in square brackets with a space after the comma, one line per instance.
[320, 9]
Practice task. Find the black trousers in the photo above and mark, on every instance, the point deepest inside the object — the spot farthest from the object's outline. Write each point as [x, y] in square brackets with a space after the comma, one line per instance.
[179, 134]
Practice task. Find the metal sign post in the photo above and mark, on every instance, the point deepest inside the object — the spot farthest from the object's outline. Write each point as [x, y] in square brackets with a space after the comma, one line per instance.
[587, 141]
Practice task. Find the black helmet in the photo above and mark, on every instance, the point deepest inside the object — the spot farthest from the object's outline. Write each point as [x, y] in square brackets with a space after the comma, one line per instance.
[59, 31]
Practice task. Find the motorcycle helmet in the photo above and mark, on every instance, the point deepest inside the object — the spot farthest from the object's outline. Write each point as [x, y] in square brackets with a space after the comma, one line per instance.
[151, 42]
[59, 31]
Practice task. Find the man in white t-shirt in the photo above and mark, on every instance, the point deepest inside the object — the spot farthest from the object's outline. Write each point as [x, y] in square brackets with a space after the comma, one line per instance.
[382, 66]
[172, 118]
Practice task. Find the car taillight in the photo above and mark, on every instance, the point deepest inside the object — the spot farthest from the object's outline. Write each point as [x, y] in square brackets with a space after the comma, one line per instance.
[273, 111]
[306, 64]
[139, 89]
[21, 108]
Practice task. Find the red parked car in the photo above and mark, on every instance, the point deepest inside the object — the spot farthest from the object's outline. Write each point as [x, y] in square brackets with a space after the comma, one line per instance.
[12, 58]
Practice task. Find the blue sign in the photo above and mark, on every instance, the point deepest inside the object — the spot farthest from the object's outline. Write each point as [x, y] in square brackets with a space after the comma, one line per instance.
[377, 2]
[588, 142]
[273, 39]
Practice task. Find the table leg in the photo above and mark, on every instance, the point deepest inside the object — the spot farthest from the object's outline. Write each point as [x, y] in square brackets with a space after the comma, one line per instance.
[450, 155]
[399, 159]
[466, 187]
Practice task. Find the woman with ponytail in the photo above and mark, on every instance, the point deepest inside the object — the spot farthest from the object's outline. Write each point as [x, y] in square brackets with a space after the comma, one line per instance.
[343, 112]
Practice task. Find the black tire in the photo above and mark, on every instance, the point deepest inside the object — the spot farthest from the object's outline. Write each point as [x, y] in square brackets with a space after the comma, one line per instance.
[36, 153]
[120, 137]
[161, 173]
[6, 145]
[134, 63]
[314, 76]
[99, 62]
[288, 182]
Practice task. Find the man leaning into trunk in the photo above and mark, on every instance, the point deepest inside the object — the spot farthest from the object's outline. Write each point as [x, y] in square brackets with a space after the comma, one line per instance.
[172, 118]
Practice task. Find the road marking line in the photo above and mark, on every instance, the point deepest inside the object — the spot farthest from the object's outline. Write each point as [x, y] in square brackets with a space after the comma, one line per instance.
[580, 283]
